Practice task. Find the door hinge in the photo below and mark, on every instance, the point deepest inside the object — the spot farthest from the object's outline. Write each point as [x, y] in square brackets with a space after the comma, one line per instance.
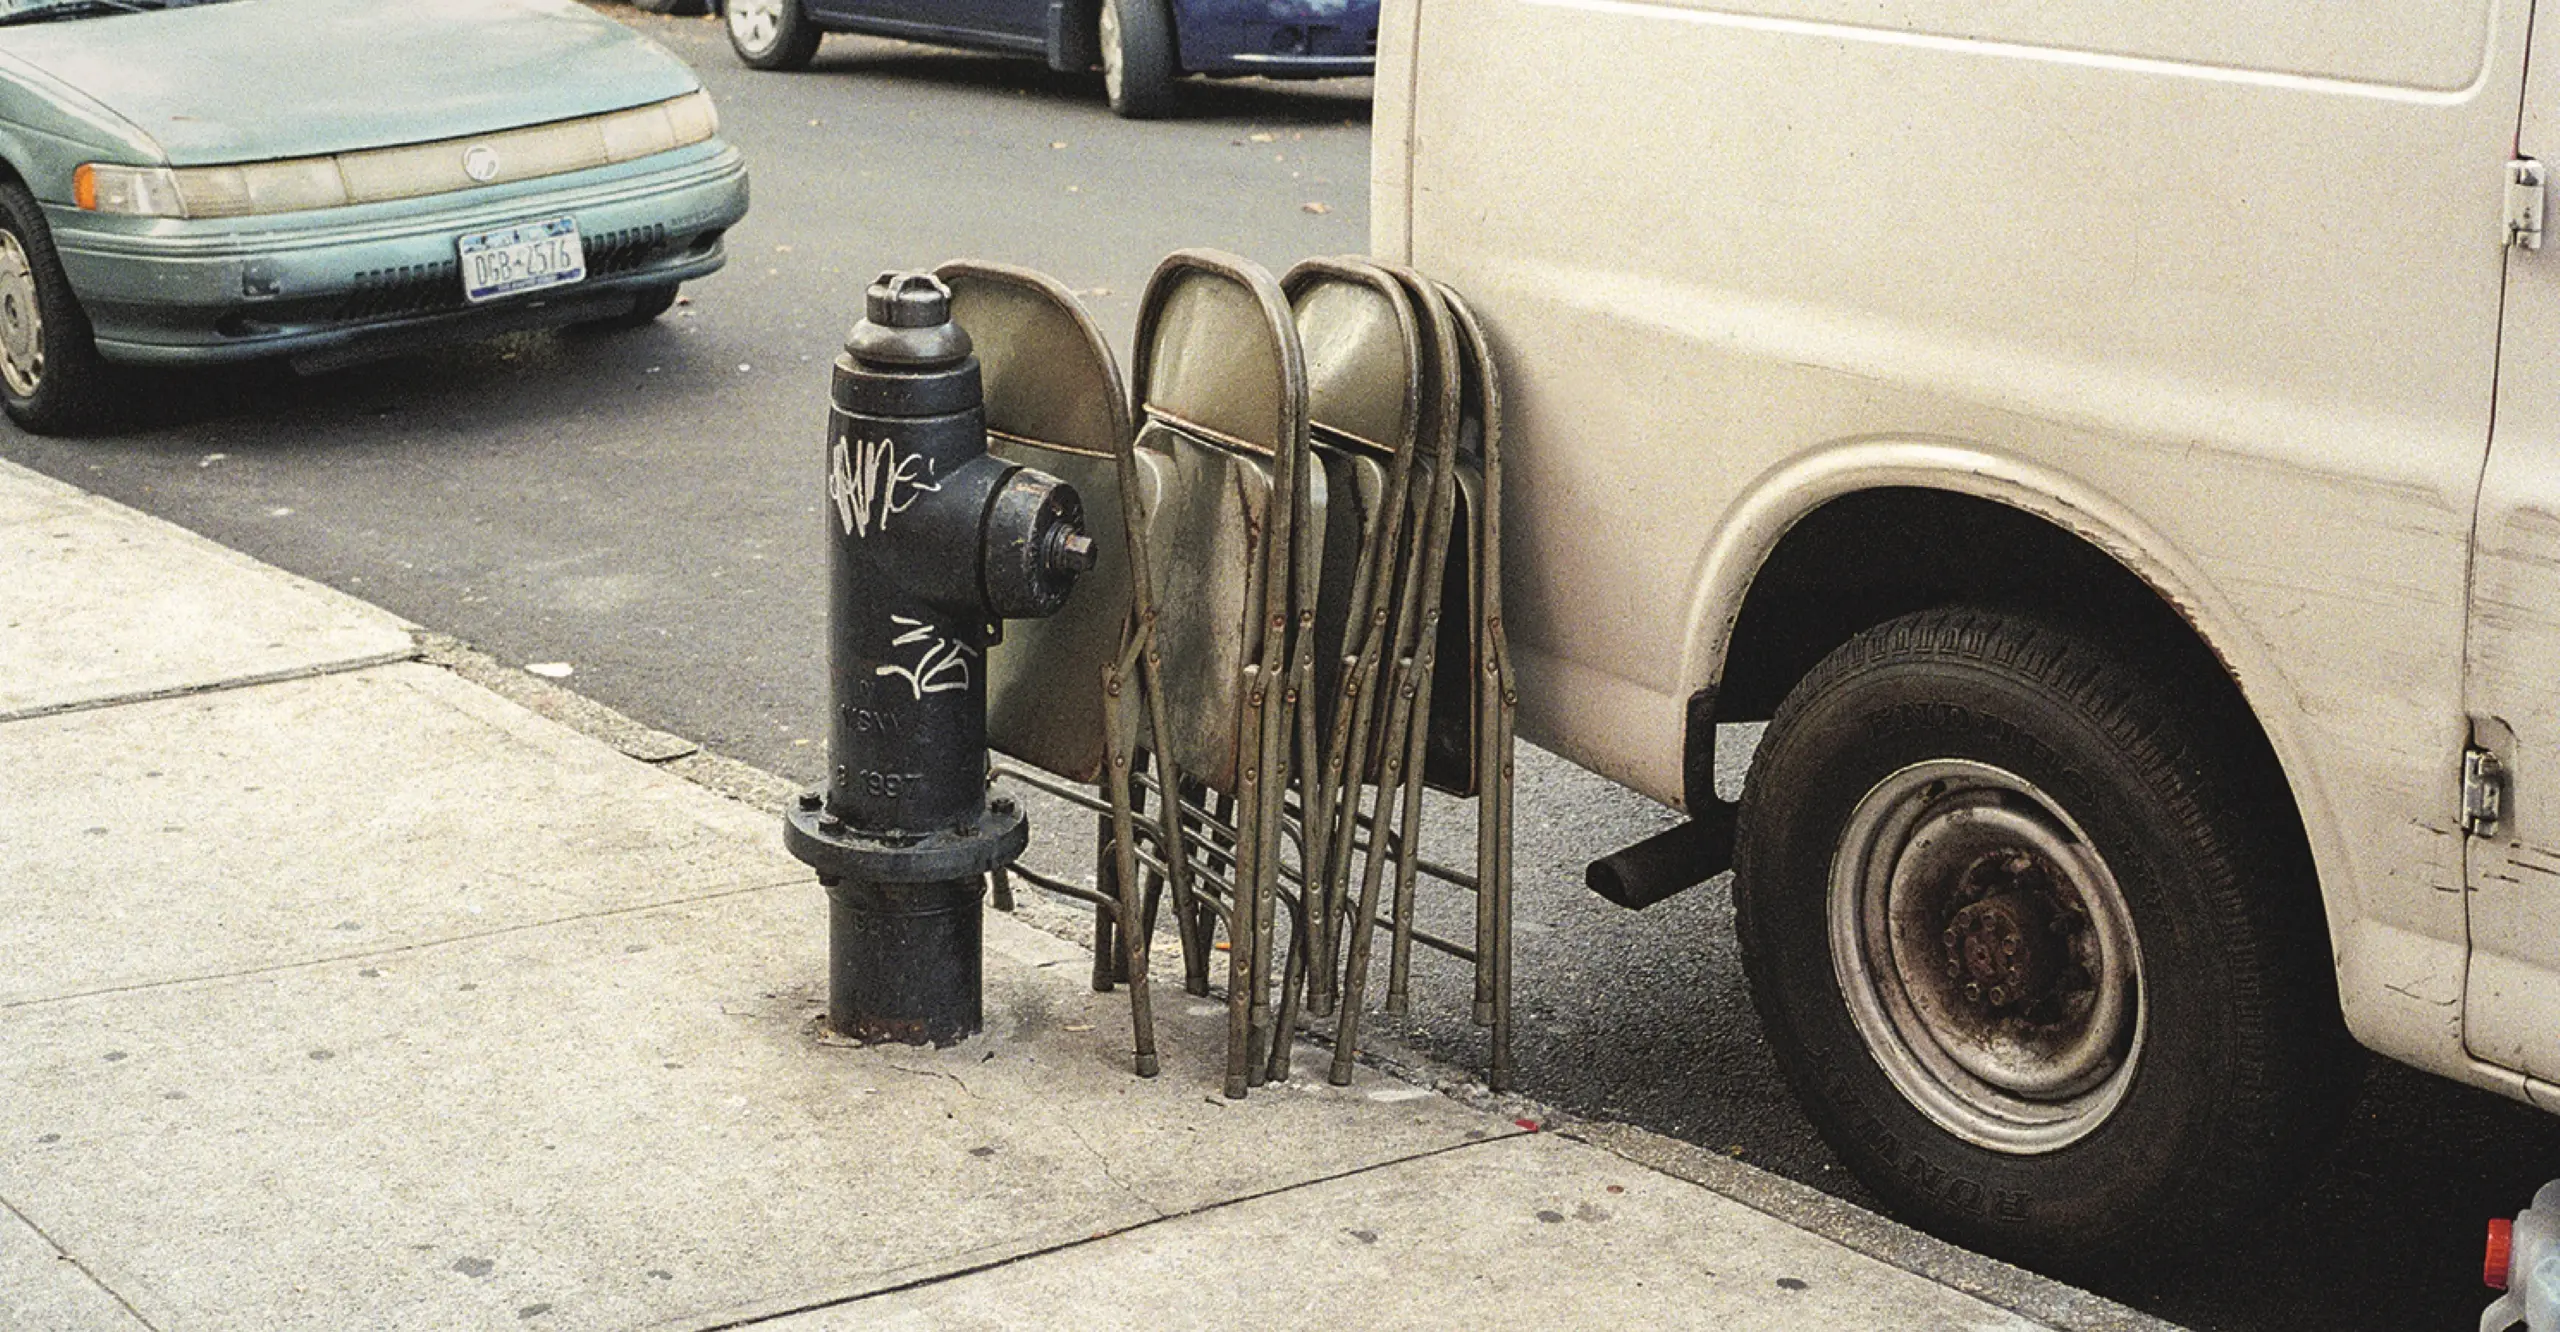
[2484, 792]
[2524, 203]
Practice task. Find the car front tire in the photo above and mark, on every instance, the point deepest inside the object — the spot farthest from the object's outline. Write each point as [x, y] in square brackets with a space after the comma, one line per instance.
[2042, 963]
[1138, 65]
[52, 381]
[771, 34]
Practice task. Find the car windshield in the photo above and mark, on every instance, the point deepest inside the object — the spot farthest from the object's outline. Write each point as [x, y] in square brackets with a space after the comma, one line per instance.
[46, 11]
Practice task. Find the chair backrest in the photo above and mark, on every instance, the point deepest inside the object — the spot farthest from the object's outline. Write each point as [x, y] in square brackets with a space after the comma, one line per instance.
[1220, 384]
[1364, 409]
[1054, 401]
[1457, 758]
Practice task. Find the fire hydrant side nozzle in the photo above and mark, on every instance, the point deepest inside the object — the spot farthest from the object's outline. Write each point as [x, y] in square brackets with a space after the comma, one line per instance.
[931, 542]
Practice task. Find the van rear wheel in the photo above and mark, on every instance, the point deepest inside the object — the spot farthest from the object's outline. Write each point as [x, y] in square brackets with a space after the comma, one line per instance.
[2039, 968]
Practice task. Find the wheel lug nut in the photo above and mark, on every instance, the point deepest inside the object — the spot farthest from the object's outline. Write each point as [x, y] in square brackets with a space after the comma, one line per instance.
[1973, 991]
[1998, 995]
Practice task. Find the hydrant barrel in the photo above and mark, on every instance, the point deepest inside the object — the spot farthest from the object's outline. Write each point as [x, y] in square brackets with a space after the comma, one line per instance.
[907, 435]
[931, 542]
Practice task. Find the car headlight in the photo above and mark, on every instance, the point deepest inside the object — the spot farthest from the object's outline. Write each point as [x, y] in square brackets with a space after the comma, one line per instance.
[135, 191]
[410, 171]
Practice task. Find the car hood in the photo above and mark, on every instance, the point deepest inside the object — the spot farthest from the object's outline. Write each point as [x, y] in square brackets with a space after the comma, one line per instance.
[255, 79]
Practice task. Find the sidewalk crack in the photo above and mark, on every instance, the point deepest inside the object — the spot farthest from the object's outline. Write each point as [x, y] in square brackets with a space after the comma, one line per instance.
[1102, 1162]
[65, 1255]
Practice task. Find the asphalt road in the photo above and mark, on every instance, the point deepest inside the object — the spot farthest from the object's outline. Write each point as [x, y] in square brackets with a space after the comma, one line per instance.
[644, 507]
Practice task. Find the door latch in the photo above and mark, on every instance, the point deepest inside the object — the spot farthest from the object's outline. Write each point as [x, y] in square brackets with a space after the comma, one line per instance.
[2484, 792]
[2524, 203]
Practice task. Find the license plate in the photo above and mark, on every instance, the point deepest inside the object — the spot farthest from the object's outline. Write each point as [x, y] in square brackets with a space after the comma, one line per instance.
[526, 257]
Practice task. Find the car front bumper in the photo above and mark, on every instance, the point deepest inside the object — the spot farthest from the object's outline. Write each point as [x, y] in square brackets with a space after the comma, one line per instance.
[342, 284]
[1279, 39]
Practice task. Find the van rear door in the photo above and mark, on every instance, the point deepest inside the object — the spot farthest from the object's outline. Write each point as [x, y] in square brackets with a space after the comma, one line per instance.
[2512, 994]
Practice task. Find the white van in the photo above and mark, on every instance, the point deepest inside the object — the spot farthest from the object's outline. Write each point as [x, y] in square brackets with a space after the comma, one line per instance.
[2116, 446]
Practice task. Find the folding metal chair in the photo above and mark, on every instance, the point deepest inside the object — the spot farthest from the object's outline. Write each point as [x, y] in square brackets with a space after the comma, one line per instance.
[1364, 374]
[1451, 686]
[1234, 528]
[1054, 401]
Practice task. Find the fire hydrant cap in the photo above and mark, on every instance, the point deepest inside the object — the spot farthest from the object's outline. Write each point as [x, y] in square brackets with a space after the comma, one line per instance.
[906, 328]
[907, 300]
[2494, 1264]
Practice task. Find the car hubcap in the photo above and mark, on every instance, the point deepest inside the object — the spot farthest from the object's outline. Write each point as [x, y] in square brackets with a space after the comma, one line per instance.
[1987, 956]
[21, 320]
[1107, 36]
[755, 22]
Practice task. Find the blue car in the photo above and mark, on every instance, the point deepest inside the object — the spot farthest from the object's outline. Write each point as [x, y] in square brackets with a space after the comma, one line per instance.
[1142, 46]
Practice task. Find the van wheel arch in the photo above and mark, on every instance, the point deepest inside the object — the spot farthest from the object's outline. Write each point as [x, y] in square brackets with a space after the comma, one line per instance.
[1889, 559]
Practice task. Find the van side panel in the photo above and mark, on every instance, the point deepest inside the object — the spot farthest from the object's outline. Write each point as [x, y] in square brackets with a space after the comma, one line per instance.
[2237, 325]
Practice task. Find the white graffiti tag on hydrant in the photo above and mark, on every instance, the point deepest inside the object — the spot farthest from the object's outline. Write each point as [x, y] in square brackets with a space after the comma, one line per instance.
[944, 665]
[874, 483]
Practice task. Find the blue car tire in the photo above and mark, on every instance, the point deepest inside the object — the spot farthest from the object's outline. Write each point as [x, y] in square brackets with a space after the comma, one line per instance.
[52, 381]
[1138, 65]
[770, 34]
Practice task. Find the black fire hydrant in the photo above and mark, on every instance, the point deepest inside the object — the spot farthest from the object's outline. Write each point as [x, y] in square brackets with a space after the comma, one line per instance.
[934, 543]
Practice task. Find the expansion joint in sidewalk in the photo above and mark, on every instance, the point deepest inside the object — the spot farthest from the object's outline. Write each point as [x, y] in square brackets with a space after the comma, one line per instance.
[249, 681]
[419, 946]
[86, 1272]
[1069, 1246]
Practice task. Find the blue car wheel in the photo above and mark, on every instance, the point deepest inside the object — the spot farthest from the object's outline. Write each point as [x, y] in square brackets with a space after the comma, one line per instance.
[1138, 67]
[771, 34]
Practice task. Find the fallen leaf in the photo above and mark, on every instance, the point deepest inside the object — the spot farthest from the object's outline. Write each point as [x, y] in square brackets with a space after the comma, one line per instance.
[1057, 143]
[550, 670]
[1262, 138]
[1317, 208]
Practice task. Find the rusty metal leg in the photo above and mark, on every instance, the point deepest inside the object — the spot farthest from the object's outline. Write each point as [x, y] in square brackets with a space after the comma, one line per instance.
[1496, 876]
[1242, 927]
[1134, 940]
[1105, 943]
[1364, 919]
[1001, 896]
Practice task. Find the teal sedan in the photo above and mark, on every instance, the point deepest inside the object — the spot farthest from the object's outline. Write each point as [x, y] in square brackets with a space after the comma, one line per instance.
[191, 182]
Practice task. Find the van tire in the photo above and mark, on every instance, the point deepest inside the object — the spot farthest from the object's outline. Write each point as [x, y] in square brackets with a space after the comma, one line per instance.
[2042, 965]
[1135, 38]
[770, 34]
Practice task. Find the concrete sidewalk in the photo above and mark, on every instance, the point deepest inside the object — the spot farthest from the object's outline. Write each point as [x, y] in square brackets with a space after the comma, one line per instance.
[342, 993]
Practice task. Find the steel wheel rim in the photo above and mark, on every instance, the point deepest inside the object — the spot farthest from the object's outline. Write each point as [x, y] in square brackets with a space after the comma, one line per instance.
[755, 23]
[1106, 32]
[21, 320]
[1987, 956]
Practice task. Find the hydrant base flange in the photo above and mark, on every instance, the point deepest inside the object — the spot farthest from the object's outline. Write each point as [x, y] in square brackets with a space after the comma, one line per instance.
[996, 841]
